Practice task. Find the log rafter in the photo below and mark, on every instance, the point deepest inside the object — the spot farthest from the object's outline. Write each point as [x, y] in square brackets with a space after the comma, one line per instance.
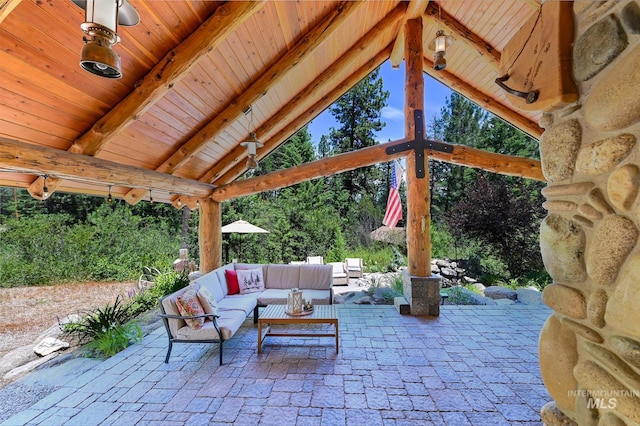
[462, 33]
[163, 76]
[218, 173]
[415, 9]
[6, 7]
[461, 154]
[484, 100]
[37, 159]
[303, 48]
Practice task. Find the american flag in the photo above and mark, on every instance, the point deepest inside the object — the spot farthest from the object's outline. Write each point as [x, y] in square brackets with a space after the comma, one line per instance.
[394, 205]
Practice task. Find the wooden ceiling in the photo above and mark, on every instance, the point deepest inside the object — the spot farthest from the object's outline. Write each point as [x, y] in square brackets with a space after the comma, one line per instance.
[174, 122]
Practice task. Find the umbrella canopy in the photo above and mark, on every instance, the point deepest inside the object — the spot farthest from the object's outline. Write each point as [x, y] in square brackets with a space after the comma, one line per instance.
[243, 227]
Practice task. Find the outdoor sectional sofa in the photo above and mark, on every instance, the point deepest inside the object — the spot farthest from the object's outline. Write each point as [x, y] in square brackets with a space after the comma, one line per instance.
[221, 323]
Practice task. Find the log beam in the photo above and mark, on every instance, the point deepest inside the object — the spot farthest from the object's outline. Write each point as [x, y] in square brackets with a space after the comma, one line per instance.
[304, 48]
[6, 6]
[462, 155]
[154, 86]
[231, 167]
[36, 159]
[415, 9]
[460, 32]
[418, 223]
[210, 235]
[484, 100]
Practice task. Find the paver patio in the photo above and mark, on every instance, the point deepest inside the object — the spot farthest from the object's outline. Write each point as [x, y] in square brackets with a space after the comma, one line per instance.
[473, 365]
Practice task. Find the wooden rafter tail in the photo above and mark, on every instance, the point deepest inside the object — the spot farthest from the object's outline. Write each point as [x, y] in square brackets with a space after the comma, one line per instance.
[55, 163]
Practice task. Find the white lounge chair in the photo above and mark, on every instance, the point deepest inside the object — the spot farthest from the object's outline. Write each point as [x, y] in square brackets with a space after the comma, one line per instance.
[339, 273]
[315, 260]
[353, 266]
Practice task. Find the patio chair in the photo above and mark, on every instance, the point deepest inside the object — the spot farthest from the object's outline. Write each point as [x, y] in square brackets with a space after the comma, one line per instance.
[353, 265]
[339, 273]
[315, 260]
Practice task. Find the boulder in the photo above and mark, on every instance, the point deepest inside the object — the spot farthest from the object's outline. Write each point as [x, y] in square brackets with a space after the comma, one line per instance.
[499, 292]
[49, 345]
[529, 296]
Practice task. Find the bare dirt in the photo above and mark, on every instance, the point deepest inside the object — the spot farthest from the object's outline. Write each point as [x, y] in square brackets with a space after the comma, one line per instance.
[27, 312]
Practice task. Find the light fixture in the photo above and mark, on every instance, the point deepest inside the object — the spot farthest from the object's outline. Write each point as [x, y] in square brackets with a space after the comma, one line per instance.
[252, 143]
[45, 190]
[439, 46]
[150, 197]
[101, 25]
[109, 197]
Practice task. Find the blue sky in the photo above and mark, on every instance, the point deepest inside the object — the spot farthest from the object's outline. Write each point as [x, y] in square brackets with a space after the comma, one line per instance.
[435, 94]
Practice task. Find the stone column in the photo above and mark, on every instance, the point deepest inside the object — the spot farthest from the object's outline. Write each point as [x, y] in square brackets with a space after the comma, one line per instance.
[590, 345]
[422, 293]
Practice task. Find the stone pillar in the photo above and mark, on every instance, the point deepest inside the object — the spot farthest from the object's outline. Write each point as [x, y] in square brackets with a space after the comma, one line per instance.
[422, 293]
[590, 345]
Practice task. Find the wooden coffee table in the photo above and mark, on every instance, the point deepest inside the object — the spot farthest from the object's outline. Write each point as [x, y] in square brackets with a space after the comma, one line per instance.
[275, 314]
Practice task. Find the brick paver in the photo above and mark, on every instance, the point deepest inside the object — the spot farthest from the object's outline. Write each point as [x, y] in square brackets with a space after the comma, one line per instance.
[472, 365]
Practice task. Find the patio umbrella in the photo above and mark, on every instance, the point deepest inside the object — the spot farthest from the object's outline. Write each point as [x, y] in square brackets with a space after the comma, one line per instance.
[242, 227]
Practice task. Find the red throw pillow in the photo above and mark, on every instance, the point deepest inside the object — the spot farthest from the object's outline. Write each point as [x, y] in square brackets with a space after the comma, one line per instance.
[232, 281]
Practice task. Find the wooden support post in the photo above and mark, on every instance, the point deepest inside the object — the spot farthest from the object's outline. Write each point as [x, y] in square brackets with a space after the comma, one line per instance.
[210, 235]
[421, 289]
[418, 196]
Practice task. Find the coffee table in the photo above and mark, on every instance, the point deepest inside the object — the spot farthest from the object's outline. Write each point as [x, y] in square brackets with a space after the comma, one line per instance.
[275, 314]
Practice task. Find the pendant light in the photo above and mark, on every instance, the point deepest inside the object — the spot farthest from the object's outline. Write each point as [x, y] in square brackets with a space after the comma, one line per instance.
[439, 45]
[251, 143]
[100, 27]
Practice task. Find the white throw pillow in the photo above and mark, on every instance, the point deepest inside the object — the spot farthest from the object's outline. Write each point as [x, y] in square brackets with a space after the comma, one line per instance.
[250, 280]
[208, 302]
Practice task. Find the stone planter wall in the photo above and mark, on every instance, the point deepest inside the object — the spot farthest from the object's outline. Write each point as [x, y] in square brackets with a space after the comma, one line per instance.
[590, 346]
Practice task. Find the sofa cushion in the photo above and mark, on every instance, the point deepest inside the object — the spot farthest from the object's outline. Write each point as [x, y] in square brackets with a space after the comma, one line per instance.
[239, 302]
[316, 277]
[170, 307]
[189, 305]
[232, 282]
[250, 280]
[229, 323]
[212, 283]
[222, 277]
[283, 276]
[274, 296]
[208, 302]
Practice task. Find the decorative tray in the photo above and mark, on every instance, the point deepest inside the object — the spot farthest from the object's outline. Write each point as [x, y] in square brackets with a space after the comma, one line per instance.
[299, 314]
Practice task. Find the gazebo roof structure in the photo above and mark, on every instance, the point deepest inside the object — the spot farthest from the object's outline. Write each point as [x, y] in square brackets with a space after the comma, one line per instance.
[199, 76]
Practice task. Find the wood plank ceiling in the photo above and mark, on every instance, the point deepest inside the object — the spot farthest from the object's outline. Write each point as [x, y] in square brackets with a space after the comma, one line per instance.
[190, 68]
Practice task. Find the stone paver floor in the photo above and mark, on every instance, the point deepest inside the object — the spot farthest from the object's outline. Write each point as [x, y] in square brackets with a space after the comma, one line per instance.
[473, 365]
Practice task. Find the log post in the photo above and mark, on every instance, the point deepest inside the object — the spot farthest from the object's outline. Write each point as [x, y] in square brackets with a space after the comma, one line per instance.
[210, 235]
[421, 290]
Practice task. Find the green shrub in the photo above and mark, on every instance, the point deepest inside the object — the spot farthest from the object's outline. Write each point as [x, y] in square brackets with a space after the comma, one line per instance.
[114, 339]
[458, 296]
[96, 322]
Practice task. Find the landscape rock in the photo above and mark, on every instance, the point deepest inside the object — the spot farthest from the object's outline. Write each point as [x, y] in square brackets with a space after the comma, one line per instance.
[365, 300]
[559, 148]
[49, 345]
[562, 245]
[597, 47]
[602, 156]
[613, 241]
[565, 300]
[503, 302]
[614, 103]
[622, 186]
[529, 296]
[558, 356]
[498, 292]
